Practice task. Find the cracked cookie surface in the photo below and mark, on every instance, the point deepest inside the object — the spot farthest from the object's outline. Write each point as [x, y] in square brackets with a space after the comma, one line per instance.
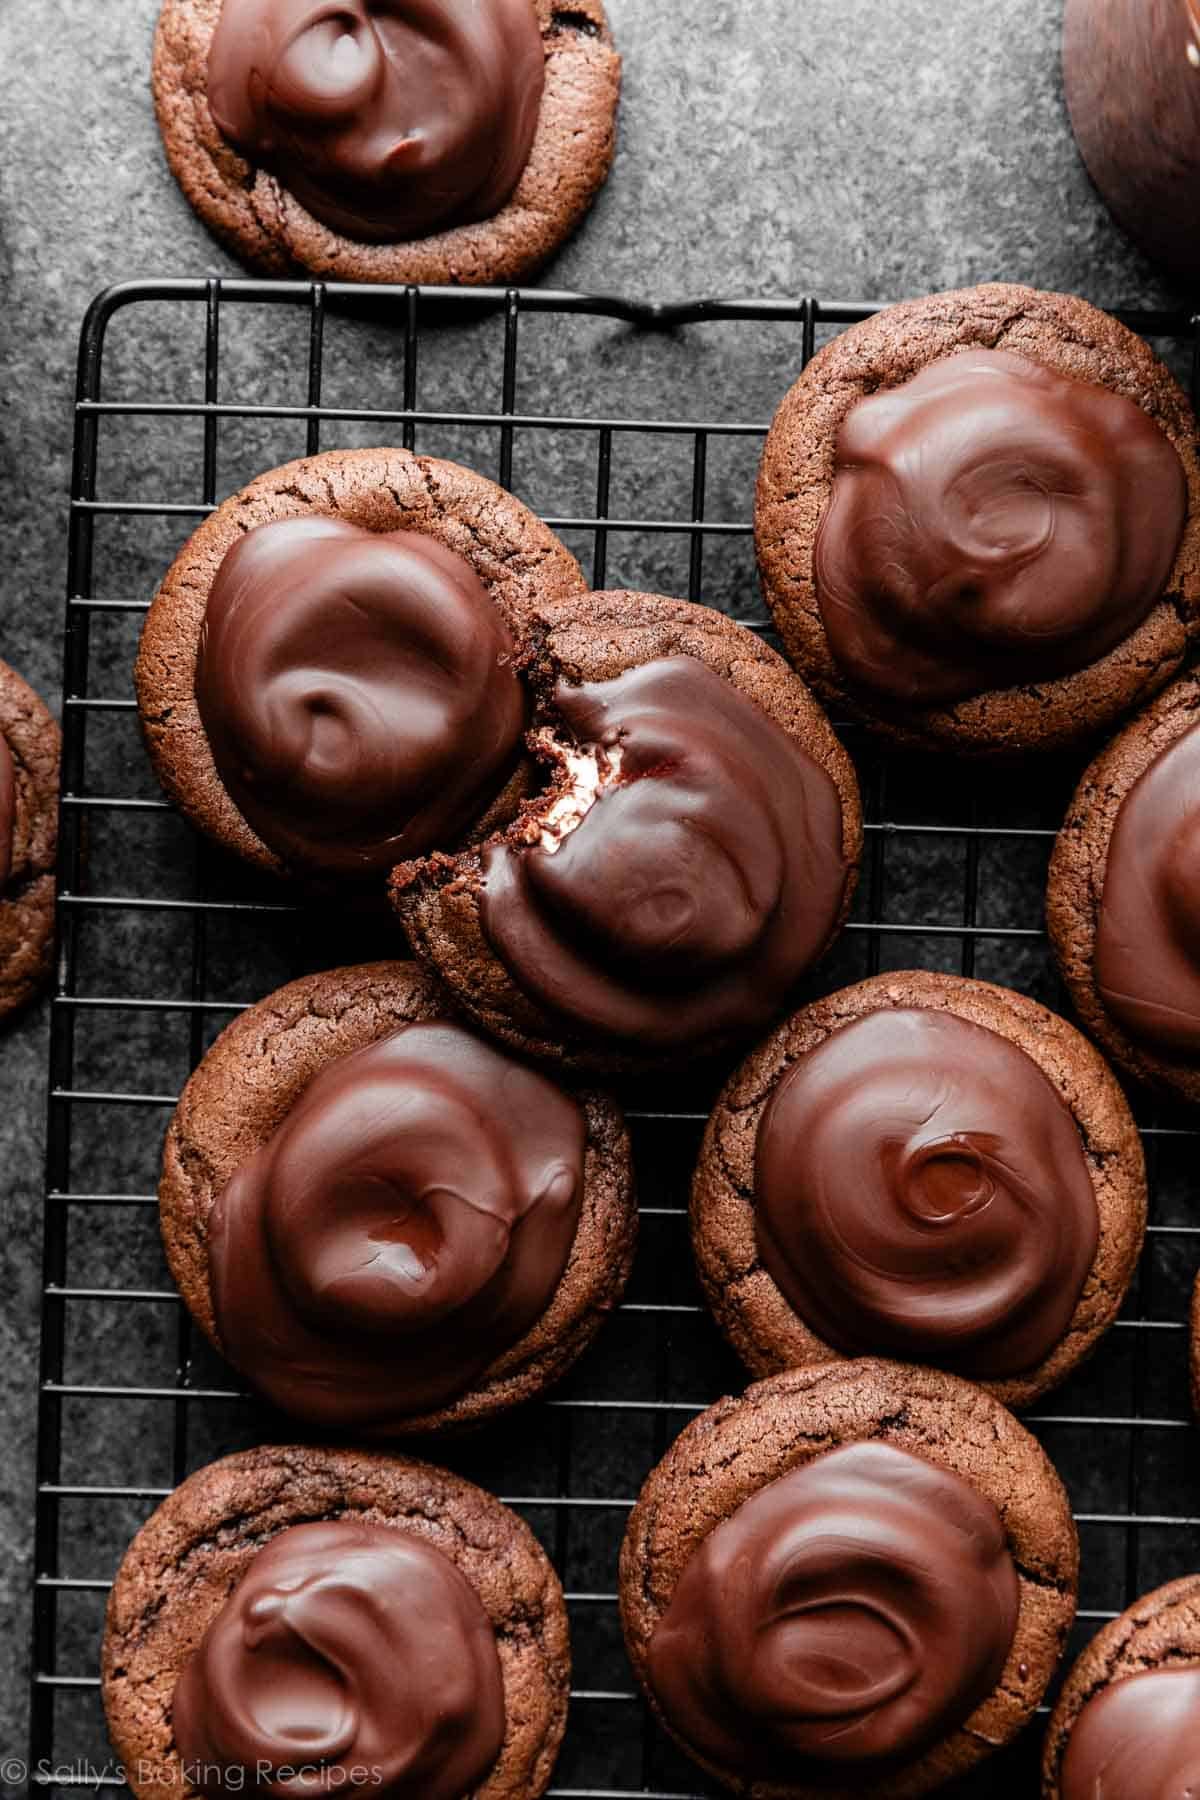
[737, 1448]
[517, 559]
[1159, 1631]
[757, 1317]
[190, 1555]
[693, 873]
[1079, 869]
[254, 1076]
[31, 749]
[268, 228]
[1062, 334]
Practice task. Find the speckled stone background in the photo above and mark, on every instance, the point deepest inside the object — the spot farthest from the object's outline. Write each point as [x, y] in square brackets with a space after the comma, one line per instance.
[851, 148]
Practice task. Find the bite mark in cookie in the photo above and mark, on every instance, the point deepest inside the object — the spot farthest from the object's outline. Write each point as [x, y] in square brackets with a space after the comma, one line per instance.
[693, 852]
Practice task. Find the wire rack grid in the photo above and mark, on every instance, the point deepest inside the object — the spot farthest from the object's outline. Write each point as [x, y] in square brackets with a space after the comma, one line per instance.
[161, 942]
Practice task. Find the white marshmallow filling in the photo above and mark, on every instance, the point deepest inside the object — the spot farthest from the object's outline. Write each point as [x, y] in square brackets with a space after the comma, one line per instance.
[589, 772]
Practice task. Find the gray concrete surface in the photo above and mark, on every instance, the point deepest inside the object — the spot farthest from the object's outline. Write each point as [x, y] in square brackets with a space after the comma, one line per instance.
[853, 148]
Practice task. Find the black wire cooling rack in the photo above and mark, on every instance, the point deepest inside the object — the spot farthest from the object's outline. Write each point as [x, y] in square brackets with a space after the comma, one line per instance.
[626, 427]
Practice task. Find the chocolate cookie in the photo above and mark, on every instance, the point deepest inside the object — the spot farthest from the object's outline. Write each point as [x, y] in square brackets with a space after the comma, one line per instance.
[328, 676]
[386, 1224]
[1123, 893]
[294, 1608]
[927, 1167]
[29, 756]
[396, 142]
[694, 851]
[1125, 1722]
[978, 521]
[855, 1580]
[1131, 71]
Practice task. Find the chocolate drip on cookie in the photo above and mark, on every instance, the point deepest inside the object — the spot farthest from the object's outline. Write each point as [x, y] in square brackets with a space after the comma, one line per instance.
[688, 867]
[992, 523]
[358, 691]
[921, 1190]
[388, 119]
[845, 1617]
[408, 1222]
[354, 1651]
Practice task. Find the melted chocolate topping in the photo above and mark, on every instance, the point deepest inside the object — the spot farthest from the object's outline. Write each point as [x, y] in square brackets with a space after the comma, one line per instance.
[992, 523]
[1147, 955]
[693, 876]
[921, 1190]
[1137, 1739]
[8, 808]
[409, 1220]
[358, 691]
[388, 119]
[1132, 71]
[851, 1613]
[346, 1646]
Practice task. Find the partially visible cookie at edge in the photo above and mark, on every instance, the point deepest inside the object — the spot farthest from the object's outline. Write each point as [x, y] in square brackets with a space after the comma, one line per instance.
[1125, 1719]
[30, 746]
[1123, 882]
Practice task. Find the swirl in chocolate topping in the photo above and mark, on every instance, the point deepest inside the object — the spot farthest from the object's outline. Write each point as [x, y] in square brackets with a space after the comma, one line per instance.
[849, 1614]
[346, 1646]
[689, 870]
[921, 1190]
[1147, 954]
[8, 808]
[387, 119]
[992, 523]
[408, 1222]
[358, 691]
[1137, 1738]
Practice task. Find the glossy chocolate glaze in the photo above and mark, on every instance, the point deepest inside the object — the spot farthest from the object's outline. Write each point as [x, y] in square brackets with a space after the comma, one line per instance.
[1132, 72]
[845, 1617]
[921, 1190]
[345, 1646]
[695, 872]
[992, 523]
[1137, 1740]
[408, 1222]
[358, 692]
[388, 119]
[8, 808]
[1147, 954]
